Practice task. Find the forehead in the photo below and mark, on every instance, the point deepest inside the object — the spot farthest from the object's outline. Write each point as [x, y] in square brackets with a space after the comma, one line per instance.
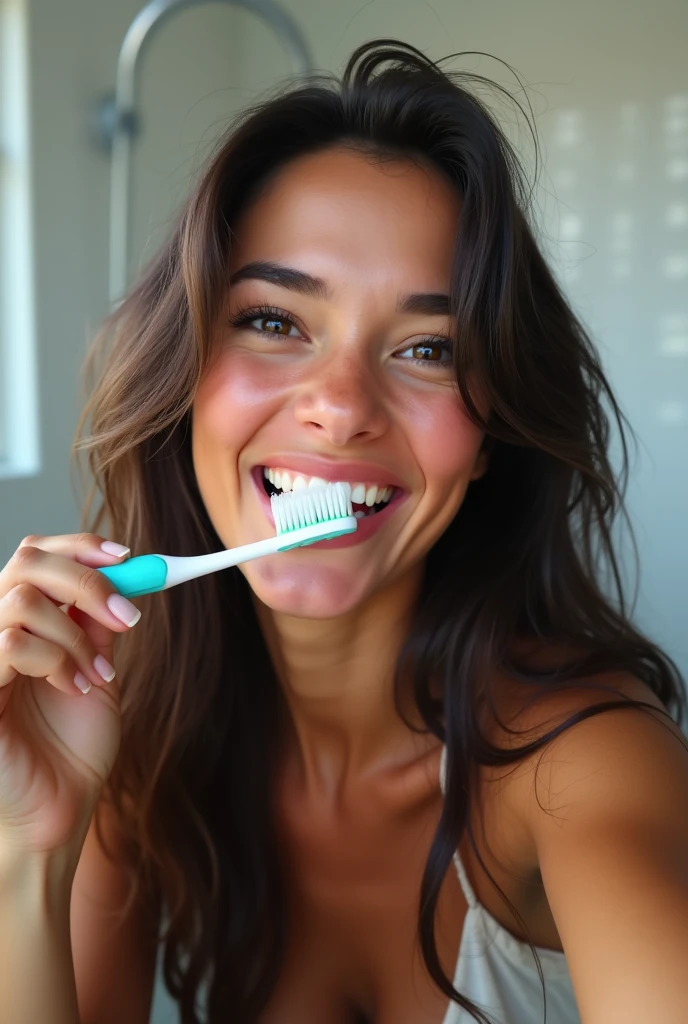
[353, 211]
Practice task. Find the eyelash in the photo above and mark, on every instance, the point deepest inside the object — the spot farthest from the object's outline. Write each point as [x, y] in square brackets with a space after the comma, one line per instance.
[245, 315]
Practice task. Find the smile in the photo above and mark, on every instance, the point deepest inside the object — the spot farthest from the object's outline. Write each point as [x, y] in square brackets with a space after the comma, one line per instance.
[366, 499]
[371, 518]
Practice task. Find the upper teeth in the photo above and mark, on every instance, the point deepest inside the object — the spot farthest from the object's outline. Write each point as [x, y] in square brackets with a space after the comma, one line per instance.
[287, 480]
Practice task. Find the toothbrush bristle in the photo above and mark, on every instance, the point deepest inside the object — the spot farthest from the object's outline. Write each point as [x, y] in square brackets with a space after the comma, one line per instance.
[307, 506]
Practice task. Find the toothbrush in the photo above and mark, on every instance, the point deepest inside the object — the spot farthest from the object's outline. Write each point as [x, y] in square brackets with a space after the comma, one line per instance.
[302, 517]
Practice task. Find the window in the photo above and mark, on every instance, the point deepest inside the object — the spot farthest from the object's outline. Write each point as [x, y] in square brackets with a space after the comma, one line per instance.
[18, 405]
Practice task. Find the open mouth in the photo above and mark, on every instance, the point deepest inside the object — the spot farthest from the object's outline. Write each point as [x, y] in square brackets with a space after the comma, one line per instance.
[371, 499]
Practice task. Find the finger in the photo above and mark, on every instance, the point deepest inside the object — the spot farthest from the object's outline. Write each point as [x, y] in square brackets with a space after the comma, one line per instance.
[22, 654]
[25, 607]
[101, 637]
[88, 548]
[68, 582]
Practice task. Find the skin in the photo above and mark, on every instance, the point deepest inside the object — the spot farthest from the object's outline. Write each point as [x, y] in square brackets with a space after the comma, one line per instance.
[339, 387]
[356, 781]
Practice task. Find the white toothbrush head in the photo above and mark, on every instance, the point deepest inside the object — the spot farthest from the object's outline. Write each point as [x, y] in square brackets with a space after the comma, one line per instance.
[317, 513]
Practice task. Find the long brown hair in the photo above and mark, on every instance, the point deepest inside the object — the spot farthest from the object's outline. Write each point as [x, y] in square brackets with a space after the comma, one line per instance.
[530, 551]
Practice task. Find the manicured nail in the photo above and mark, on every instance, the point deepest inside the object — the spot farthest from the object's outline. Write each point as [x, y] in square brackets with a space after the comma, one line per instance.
[104, 668]
[111, 548]
[82, 682]
[124, 610]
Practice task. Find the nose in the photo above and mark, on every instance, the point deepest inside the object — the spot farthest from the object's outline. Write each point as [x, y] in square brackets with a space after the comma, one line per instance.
[343, 401]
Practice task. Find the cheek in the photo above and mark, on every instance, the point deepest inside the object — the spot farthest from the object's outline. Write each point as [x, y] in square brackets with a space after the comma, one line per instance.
[232, 402]
[445, 443]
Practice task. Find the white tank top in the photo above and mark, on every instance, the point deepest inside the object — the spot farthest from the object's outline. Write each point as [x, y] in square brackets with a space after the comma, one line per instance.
[498, 973]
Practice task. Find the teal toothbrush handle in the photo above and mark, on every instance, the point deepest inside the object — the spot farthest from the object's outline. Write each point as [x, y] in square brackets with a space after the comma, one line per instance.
[144, 574]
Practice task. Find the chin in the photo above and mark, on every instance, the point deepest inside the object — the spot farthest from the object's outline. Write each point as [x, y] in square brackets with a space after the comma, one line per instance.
[306, 591]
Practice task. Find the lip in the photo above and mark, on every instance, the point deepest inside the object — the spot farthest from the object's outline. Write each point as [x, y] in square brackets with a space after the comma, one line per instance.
[327, 469]
[366, 526]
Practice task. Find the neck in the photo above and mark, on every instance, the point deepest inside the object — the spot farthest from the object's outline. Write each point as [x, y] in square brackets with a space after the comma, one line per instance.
[338, 679]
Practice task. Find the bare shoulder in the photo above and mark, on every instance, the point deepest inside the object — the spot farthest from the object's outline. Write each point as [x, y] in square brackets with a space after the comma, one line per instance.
[596, 753]
[114, 949]
[527, 711]
[604, 805]
[621, 746]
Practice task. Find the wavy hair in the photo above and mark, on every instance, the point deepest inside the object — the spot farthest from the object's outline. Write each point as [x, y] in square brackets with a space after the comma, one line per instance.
[530, 551]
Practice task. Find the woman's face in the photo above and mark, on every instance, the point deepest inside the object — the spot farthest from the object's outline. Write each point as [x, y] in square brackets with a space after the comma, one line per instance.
[343, 383]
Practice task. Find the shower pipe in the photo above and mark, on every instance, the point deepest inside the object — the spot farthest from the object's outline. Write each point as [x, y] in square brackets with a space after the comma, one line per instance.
[117, 118]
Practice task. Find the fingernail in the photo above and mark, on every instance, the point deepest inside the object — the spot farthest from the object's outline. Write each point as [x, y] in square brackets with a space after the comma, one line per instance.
[111, 548]
[82, 682]
[124, 610]
[104, 668]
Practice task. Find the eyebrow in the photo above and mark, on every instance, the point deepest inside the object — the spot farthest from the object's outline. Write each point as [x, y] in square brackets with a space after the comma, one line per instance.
[427, 303]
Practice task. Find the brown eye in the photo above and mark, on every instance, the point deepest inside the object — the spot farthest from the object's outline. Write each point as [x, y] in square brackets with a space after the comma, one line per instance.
[270, 320]
[426, 352]
[274, 325]
[436, 351]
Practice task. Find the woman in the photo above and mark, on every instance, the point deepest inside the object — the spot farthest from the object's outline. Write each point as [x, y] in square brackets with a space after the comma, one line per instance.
[353, 292]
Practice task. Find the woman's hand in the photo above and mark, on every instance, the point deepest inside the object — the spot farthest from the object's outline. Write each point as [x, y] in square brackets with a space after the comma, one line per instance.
[57, 744]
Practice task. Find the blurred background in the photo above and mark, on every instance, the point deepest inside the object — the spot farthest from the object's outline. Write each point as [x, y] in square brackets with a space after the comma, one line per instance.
[608, 84]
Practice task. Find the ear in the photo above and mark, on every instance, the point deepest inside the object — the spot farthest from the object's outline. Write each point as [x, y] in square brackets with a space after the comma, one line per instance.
[482, 461]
